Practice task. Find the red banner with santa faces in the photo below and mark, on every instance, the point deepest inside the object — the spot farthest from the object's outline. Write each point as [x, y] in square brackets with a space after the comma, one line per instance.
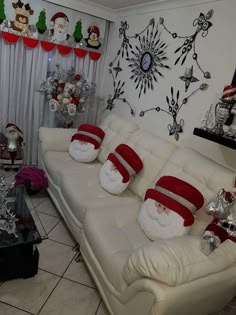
[48, 46]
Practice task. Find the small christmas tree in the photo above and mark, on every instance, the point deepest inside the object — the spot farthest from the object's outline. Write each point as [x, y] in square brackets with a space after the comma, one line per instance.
[78, 32]
[2, 11]
[41, 24]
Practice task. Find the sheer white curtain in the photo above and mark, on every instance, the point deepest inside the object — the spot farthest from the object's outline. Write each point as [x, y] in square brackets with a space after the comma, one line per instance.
[22, 70]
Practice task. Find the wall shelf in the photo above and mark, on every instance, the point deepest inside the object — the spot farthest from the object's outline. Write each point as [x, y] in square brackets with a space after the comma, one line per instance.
[227, 142]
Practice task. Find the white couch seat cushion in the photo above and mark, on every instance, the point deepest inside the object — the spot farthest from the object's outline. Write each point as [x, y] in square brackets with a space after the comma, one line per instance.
[112, 237]
[56, 162]
[81, 189]
[178, 260]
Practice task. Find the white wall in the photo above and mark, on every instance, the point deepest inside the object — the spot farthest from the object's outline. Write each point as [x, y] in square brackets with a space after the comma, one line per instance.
[216, 53]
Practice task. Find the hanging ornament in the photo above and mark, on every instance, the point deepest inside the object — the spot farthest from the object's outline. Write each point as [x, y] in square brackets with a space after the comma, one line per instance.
[21, 23]
[2, 11]
[78, 32]
[93, 37]
[59, 27]
[41, 24]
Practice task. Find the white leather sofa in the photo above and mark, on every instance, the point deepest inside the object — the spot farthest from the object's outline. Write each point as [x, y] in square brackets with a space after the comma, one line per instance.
[135, 275]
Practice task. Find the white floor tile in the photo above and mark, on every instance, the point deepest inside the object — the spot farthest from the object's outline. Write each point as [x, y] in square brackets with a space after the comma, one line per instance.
[79, 273]
[103, 309]
[61, 234]
[29, 294]
[39, 197]
[47, 207]
[48, 221]
[9, 310]
[54, 257]
[71, 298]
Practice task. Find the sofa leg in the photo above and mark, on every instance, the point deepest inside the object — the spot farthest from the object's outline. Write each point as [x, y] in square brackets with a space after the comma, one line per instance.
[76, 248]
[79, 257]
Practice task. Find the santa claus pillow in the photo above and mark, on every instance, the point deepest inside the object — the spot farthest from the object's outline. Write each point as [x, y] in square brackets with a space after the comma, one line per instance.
[120, 166]
[168, 210]
[86, 142]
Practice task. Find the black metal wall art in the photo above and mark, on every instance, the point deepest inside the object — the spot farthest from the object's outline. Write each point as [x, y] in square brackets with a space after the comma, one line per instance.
[202, 25]
[147, 60]
[188, 78]
[174, 107]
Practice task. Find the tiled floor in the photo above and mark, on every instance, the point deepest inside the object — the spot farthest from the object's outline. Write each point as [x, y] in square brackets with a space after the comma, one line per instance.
[62, 286]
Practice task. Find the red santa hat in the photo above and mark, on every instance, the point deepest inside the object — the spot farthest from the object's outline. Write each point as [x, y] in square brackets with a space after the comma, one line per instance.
[89, 133]
[94, 29]
[126, 160]
[59, 16]
[177, 195]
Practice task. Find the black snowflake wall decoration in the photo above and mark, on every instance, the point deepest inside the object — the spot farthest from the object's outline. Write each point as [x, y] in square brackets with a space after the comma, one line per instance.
[202, 25]
[153, 56]
[174, 107]
[148, 59]
[188, 78]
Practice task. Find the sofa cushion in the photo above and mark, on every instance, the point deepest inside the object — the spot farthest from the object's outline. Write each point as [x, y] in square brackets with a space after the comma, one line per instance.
[204, 174]
[81, 189]
[117, 130]
[178, 260]
[112, 237]
[56, 162]
[154, 153]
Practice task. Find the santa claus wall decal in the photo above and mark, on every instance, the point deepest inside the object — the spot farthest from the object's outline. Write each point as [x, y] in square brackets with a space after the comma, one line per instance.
[93, 37]
[168, 209]
[85, 144]
[59, 27]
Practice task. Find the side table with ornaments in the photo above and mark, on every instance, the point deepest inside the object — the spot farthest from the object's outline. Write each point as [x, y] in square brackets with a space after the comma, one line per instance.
[225, 110]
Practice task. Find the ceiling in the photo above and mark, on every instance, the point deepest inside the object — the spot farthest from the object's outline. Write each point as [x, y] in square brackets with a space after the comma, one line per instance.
[121, 4]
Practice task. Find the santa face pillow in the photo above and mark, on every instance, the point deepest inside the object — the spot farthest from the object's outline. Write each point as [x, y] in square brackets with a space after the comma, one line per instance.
[120, 166]
[168, 210]
[85, 143]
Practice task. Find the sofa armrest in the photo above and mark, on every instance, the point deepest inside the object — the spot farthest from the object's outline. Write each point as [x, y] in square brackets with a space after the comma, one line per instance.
[177, 261]
[55, 139]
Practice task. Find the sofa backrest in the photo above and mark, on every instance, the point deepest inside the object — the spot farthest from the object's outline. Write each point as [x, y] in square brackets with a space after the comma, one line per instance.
[204, 174]
[117, 130]
[154, 152]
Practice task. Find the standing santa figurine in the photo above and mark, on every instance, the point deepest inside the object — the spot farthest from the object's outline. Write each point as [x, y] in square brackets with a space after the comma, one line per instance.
[11, 153]
[60, 25]
[168, 210]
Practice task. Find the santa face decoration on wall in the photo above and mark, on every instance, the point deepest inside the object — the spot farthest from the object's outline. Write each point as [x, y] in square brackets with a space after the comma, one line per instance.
[60, 25]
[117, 171]
[168, 210]
[86, 143]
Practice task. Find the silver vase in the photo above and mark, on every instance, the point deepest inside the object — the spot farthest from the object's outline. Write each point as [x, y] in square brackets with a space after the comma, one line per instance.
[222, 112]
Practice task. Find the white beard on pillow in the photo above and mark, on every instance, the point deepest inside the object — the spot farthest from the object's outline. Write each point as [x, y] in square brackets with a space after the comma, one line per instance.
[111, 179]
[82, 151]
[158, 223]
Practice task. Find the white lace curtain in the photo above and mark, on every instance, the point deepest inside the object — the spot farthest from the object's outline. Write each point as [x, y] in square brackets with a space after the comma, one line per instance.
[22, 70]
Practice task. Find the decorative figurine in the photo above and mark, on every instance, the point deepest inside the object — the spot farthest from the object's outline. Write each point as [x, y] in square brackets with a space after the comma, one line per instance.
[232, 129]
[22, 12]
[60, 25]
[208, 120]
[93, 37]
[223, 109]
[11, 153]
[223, 226]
